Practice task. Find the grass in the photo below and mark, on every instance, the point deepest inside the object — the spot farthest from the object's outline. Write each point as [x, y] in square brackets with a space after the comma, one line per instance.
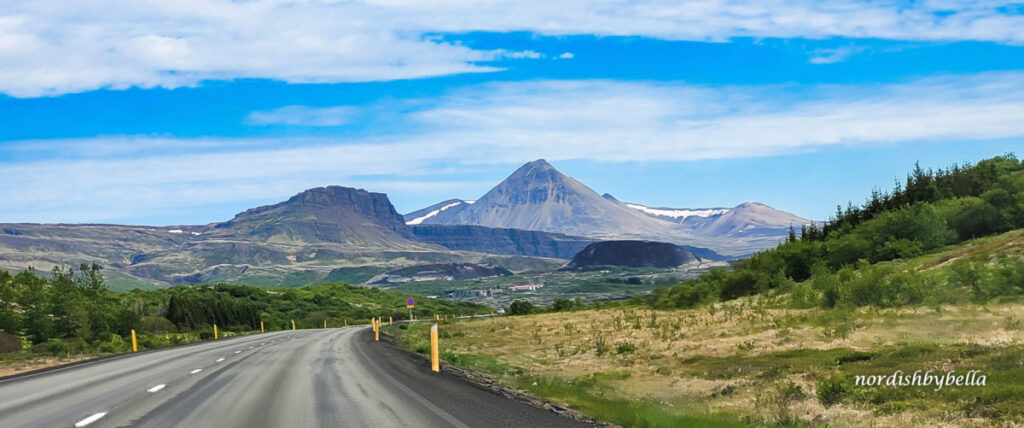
[752, 361]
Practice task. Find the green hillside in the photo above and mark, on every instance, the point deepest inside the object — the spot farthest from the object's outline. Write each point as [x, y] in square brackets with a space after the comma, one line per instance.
[878, 253]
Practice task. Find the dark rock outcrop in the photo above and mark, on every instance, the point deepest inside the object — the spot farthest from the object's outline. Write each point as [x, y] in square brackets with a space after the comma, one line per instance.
[632, 254]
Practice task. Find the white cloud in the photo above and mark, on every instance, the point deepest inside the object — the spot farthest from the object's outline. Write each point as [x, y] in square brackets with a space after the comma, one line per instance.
[832, 56]
[566, 55]
[52, 47]
[303, 116]
[496, 126]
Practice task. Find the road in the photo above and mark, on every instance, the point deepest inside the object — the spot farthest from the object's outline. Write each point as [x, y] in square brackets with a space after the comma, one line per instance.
[307, 378]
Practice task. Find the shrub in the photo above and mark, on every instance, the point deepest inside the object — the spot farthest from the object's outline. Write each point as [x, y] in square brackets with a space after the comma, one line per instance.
[158, 325]
[206, 334]
[625, 348]
[520, 307]
[9, 343]
[56, 347]
[833, 389]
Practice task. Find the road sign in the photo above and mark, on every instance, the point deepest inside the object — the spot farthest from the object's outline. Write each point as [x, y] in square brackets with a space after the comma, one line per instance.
[410, 303]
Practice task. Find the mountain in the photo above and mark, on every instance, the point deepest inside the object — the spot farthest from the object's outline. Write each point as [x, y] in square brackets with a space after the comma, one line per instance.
[632, 254]
[438, 213]
[297, 241]
[749, 219]
[501, 241]
[538, 197]
[333, 214]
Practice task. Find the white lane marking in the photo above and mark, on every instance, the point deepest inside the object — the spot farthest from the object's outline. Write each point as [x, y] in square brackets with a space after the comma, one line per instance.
[238, 352]
[157, 388]
[220, 359]
[264, 343]
[90, 419]
[251, 347]
[195, 371]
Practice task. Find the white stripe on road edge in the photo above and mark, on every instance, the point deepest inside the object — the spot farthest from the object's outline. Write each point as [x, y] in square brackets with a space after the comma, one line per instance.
[90, 419]
[220, 359]
[156, 388]
[238, 352]
[195, 371]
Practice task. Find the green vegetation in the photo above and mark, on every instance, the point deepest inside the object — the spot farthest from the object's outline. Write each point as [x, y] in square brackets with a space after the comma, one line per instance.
[842, 262]
[71, 312]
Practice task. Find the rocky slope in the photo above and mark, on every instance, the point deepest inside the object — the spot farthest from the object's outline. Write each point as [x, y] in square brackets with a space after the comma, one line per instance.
[501, 241]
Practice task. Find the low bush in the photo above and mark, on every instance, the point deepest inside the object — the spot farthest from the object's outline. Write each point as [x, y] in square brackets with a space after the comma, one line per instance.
[832, 390]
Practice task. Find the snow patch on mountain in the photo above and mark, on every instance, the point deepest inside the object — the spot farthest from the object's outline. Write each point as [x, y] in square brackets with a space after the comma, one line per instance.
[420, 219]
[679, 214]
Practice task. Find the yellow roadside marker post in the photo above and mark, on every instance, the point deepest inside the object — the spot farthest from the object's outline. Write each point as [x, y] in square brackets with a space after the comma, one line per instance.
[135, 343]
[376, 331]
[325, 323]
[261, 328]
[346, 322]
[215, 335]
[391, 320]
[435, 365]
[293, 325]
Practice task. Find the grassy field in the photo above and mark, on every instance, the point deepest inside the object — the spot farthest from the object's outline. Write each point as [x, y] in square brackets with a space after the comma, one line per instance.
[752, 361]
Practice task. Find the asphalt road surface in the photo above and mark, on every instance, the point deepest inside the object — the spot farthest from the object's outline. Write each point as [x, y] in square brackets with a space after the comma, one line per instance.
[306, 378]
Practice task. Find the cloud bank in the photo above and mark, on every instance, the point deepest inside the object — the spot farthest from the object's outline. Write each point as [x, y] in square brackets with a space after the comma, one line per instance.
[496, 126]
[53, 47]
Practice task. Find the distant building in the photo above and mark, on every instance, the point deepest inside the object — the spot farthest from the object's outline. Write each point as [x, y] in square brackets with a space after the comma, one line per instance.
[525, 287]
[472, 293]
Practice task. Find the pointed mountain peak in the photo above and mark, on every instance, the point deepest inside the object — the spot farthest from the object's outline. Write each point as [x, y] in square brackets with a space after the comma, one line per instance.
[537, 167]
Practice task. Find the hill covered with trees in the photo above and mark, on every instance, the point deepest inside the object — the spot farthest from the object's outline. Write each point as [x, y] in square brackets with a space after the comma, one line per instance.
[852, 258]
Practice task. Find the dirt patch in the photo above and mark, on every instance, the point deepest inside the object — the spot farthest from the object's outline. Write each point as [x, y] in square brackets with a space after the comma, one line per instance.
[18, 367]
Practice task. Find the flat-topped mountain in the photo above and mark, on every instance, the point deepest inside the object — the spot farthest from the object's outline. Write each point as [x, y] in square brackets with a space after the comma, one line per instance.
[332, 214]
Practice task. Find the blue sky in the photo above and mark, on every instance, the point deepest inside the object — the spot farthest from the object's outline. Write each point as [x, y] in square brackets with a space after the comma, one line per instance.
[191, 111]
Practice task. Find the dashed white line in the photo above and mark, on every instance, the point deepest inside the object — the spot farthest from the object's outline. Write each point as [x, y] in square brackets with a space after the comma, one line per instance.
[263, 343]
[157, 388]
[195, 371]
[220, 359]
[238, 352]
[90, 419]
[251, 347]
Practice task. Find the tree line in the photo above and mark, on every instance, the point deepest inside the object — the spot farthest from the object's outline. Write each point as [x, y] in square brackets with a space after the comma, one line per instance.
[74, 311]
